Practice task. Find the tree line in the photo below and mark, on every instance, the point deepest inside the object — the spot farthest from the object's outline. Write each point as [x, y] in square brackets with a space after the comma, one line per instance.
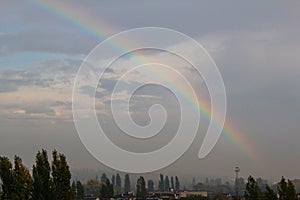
[285, 190]
[47, 181]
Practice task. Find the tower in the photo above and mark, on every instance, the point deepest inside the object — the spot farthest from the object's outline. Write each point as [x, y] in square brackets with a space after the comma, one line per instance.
[236, 170]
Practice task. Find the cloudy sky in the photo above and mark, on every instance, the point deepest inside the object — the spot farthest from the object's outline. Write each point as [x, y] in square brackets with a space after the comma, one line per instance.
[254, 44]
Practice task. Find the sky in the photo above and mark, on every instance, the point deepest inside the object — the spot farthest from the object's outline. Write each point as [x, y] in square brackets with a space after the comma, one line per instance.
[254, 44]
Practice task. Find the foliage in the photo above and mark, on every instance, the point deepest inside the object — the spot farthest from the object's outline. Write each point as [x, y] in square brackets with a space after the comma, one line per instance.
[141, 188]
[167, 183]
[270, 194]
[17, 182]
[172, 183]
[161, 183]
[93, 186]
[107, 190]
[177, 184]
[150, 185]
[127, 184]
[118, 184]
[42, 184]
[253, 191]
[286, 190]
[61, 177]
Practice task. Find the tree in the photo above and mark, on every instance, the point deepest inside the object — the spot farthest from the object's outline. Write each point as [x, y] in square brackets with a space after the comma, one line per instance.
[118, 184]
[93, 186]
[7, 178]
[270, 194]
[172, 183]
[127, 184]
[291, 191]
[141, 188]
[167, 183]
[17, 181]
[42, 189]
[177, 184]
[61, 177]
[286, 190]
[23, 180]
[103, 178]
[107, 190]
[150, 185]
[113, 180]
[161, 183]
[253, 191]
[77, 190]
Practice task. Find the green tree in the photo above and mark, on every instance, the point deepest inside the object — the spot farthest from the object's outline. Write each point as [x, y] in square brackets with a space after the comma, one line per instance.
[141, 188]
[167, 183]
[127, 184]
[17, 182]
[282, 189]
[93, 186]
[113, 180]
[270, 194]
[103, 178]
[286, 190]
[161, 183]
[291, 191]
[177, 184]
[79, 190]
[23, 180]
[73, 189]
[42, 189]
[107, 190]
[150, 185]
[172, 183]
[61, 177]
[253, 191]
[118, 184]
[7, 178]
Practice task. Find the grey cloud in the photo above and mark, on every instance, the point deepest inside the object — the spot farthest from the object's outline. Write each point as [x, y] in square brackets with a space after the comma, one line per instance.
[42, 109]
[52, 41]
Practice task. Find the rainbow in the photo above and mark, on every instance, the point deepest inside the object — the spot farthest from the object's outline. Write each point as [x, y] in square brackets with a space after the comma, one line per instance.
[96, 29]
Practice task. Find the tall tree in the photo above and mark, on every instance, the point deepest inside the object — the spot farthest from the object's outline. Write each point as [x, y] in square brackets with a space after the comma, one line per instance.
[23, 180]
[291, 191]
[42, 189]
[253, 191]
[61, 177]
[107, 190]
[17, 181]
[118, 184]
[177, 184]
[161, 183]
[93, 186]
[270, 194]
[7, 178]
[172, 183]
[127, 183]
[113, 180]
[79, 190]
[141, 188]
[167, 183]
[286, 190]
[282, 189]
[103, 178]
[150, 185]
